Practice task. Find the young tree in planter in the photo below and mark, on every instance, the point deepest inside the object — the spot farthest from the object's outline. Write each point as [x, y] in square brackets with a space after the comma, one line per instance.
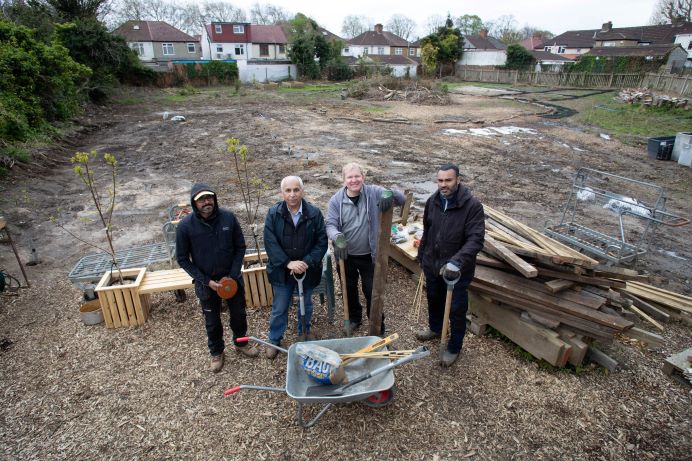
[252, 188]
[103, 201]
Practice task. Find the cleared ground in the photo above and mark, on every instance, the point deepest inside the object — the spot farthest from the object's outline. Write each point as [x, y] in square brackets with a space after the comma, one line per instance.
[77, 392]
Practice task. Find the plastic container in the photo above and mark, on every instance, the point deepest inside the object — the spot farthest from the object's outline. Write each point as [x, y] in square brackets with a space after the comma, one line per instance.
[661, 148]
[682, 147]
[90, 312]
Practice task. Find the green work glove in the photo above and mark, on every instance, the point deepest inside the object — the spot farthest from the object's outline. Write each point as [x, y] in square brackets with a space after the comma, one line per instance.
[340, 247]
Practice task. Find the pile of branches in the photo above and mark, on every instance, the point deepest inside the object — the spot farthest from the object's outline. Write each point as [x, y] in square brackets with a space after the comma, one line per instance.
[414, 93]
[647, 98]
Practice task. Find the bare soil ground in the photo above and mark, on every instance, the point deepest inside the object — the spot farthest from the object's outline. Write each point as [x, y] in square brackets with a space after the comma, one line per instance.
[74, 392]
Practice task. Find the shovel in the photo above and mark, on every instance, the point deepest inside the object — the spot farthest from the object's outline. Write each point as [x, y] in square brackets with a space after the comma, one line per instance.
[448, 308]
[340, 242]
[301, 296]
[335, 390]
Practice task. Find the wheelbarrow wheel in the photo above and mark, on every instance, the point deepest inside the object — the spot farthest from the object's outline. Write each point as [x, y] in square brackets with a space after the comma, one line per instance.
[381, 399]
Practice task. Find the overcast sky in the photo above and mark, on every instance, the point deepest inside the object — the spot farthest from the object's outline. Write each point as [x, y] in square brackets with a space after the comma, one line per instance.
[556, 16]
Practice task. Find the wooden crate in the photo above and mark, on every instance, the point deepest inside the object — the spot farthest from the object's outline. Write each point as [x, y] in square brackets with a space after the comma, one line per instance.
[258, 290]
[122, 305]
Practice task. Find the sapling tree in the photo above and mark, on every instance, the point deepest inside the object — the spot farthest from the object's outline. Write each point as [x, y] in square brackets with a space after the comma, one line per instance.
[103, 199]
[252, 188]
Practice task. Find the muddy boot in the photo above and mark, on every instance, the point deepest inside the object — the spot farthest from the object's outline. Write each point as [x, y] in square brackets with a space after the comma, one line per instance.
[448, 358]
[426, 334]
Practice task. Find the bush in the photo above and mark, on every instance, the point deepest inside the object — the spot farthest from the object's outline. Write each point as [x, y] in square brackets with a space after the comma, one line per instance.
[38, 82]
[519, 58]
[339, 71]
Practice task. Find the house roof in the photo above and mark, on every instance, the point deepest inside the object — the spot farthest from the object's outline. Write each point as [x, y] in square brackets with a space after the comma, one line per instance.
[227, 35]
[267, 34]
[373, 38]
[392, 59]
[329, 35]
[573, 39]
[541, 55]
[151, 31]
[535, 41]
[482, 43]
[659, 34]
[642, 50]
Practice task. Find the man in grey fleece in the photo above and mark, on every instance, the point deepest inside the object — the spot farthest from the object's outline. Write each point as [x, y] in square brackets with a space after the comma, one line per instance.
[354, 212]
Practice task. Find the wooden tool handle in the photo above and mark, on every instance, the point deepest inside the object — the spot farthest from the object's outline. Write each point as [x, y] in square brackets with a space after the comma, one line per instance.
[374, 346]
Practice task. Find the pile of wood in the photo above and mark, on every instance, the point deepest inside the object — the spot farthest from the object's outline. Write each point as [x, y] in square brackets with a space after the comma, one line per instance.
[555, 302]
[646, 97]
[414, 93]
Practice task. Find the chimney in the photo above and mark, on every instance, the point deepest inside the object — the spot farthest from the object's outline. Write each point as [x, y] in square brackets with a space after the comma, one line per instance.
[484, 33]
[378, 28]
[607, 26]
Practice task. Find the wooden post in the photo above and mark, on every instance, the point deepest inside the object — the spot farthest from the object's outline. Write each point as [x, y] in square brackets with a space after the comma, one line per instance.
[380, 278]
[516, 76]
[610, 81]
[684, 86]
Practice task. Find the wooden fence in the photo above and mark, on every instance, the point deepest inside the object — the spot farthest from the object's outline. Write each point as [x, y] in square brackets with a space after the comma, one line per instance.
[681, 85]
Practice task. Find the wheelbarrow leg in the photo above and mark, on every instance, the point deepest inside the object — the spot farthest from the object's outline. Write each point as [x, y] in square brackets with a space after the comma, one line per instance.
[312, 422]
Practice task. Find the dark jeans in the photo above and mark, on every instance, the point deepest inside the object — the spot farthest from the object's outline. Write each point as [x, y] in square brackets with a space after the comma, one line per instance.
[211, 307]
[436, 289]
[362, 266]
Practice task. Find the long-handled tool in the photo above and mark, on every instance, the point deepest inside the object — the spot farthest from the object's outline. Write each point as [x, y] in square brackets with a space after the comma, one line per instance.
[378, 355]
[340, 242]
[448, 308]
[340, 389]
[301, 297]
[372, 347]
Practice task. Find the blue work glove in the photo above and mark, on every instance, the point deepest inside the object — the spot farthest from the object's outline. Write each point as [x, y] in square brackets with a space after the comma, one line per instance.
[450, 271]
[386, 201]
[340, 247]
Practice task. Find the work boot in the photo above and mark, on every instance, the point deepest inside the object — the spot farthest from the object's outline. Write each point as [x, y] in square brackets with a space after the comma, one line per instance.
[448, 358]
[426, 334]
[270, 352]
[217, 362]
[247, 350]
[311, 336]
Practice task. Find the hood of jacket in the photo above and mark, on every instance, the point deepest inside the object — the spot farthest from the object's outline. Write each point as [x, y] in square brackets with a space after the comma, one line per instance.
[196, 189]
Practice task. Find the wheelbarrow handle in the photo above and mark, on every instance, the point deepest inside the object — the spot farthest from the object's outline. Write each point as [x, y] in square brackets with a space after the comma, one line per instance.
[233, 390]
[245, 339]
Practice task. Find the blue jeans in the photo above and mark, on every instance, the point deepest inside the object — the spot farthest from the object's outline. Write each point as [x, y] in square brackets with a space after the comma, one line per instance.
[278, 321]
[436, 289]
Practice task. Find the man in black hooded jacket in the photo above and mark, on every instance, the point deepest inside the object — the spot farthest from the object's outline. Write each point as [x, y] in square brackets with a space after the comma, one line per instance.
[210, 245]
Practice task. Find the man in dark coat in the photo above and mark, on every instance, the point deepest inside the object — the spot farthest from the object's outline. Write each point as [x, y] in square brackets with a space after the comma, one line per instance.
[296, 241]
[453, 234]
[209, 246]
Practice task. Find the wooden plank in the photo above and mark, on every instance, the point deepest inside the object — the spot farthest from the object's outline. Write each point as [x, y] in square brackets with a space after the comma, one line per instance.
[598, 356]
[652, 339]
[497, 249]
[105, 309]
[398, 254]
[130, 307]
[581, 279]
[115, 314]
[540, 342]
[253, 289]
[246, 284]
[579, 347]
[270, 290]
[621, 273]
[490, 261]
[262, 288]
[660, 296]
[502, 228]
[558, 285]
[380, 276]
[646, 317]
[540, 319]
[646, 307]
[121, 308]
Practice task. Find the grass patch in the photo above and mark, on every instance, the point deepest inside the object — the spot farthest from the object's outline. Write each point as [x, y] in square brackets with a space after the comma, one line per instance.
[310, 88]
[619, 118]
[129, 101]
[376, 109]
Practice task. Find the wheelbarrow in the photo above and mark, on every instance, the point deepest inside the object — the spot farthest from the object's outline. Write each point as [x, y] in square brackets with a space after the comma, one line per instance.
[369, 380]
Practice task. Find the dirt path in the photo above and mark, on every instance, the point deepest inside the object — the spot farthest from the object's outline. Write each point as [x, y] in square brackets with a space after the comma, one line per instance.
[77, 392]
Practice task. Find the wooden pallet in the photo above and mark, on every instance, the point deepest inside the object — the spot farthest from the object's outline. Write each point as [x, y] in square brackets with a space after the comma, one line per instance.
[258, 290]
[122, 305]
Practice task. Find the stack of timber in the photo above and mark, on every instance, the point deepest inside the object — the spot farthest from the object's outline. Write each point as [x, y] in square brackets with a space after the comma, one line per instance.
[555, 302]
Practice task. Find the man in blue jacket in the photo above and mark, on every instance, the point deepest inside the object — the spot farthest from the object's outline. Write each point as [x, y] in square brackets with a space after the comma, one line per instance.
[354, 212]
[296, 241]
[209, 246]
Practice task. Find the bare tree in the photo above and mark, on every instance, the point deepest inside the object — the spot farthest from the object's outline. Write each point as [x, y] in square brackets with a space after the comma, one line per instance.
[434, 22]
[268, 14]
[354, 25]
[528, 31]
[672, 11]
[222, 11]
[401, 25]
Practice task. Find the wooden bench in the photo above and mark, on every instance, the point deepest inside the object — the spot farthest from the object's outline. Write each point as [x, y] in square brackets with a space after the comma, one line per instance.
[168, 280]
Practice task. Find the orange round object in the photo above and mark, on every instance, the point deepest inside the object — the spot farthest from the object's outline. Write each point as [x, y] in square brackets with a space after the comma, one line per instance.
[228, 288]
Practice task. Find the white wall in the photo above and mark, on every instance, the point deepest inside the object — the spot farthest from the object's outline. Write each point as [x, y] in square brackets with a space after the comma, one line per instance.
[483, 58]
[266, 72]
[148, 51]
[400, 70]
[684, 41]
[357, 51]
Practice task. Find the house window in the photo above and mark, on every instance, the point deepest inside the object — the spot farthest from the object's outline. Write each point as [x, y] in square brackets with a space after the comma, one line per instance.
[689, 46]
[219, 48]
[240, 49]
[398, 51]
[282, 49]
[138, 48]
[560, 49]
[238, 29]
[190, 47]
[411, 51]
[365, 51]
[546, 48]
[167, 49]
[264, 49]
[380, 50]
[346, 50]
[217, 28]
